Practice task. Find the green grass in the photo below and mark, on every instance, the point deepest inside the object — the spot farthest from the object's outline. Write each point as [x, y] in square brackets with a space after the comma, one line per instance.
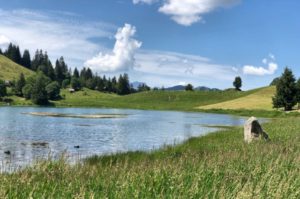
[260, 100]
[219, 165]
[9, 70]
[155, 100]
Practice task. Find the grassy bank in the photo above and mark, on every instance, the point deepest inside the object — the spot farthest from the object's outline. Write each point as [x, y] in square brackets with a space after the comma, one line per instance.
[218, 165]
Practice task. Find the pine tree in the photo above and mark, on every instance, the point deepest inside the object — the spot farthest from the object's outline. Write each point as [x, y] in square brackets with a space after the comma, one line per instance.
[286, 92]
[237, 83]
[76, 73]
[26, 60]
[123, 85]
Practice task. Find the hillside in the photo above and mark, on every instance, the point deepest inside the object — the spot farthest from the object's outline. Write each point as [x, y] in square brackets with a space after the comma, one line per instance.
[260, 100]
[157, 100]
[9, 70]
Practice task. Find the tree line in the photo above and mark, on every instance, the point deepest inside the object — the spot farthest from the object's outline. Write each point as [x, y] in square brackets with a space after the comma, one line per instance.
[65, 77]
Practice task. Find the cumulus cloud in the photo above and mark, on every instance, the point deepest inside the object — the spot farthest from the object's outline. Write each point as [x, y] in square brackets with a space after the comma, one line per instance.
[270, 69]
[187, 12]
[60, 33]
[144, 1]
[122, 57]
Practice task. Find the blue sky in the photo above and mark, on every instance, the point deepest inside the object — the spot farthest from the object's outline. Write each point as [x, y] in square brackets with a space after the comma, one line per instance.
[165, 42]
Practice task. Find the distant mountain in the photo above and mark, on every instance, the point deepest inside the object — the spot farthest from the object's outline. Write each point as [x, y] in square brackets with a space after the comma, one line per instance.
[176, 88]
[204, 88]
[199, 88]
[136, 84]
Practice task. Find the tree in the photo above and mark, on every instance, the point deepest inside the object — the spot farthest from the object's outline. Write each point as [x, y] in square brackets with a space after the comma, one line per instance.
[27, 89]
[298, 92]
[21, 82]
[26, 60]
[275, 81]
[286, 91]
[189, 87]
[13, 53]
[53, 90]
[65, 83]
[39, 93]
[3, 92]
[143, 88]
[237, 83]
[123, 85]
[75, 83]
[76, 73]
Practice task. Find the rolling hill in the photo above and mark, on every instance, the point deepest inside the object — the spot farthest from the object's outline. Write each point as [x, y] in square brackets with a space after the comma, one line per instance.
[9, 70]
[260, 100]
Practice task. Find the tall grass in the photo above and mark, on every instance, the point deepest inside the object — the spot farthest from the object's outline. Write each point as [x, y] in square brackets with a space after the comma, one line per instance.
[219, 165]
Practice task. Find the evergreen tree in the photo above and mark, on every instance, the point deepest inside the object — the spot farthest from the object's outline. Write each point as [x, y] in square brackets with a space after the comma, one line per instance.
[123, 85]
[13, 53]
[237, 83]
[26, 60]
[1, 53]
[65, 83]
[61, 70]
[3, 91]
[286, 92]
[76, 73]
[143, 88]
[21, 82]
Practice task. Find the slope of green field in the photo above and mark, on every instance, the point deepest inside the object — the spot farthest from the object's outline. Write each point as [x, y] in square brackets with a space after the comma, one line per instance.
[9, 70]
[158, 100]
[260, 100]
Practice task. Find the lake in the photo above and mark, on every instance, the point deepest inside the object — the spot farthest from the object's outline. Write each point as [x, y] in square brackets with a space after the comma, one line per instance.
[33, 137]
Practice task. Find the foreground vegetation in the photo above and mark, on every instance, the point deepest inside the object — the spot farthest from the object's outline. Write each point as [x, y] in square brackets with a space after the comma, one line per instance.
[219, 165]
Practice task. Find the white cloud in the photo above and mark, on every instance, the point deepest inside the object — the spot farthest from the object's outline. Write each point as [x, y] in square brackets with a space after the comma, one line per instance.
[181, 66]
[122, 57]
[4, 41]
[144, 1]
[187, 12]
[60, 33]
[271, 68]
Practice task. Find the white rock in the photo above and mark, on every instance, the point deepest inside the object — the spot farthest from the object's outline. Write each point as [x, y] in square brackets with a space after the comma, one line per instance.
[253, 130]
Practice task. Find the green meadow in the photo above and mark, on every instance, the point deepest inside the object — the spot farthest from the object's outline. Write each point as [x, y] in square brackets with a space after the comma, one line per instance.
[219, 165]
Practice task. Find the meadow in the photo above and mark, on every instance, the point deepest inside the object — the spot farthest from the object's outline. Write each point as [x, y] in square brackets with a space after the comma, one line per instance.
[219, 165]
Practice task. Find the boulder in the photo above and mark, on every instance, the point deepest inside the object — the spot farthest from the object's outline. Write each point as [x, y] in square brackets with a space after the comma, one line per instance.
[253, 130]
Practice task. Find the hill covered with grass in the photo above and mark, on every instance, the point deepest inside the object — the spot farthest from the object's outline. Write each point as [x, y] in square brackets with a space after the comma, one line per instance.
[259, 100]
[9, 70]
[157, 100]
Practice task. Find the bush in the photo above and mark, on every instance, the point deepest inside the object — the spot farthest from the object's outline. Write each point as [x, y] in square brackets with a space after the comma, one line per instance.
[75, 84]
[27, 91]
[53, 90]
[65, 83]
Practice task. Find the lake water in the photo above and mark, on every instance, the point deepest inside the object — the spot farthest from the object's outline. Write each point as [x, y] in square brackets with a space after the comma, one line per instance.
[29, 138]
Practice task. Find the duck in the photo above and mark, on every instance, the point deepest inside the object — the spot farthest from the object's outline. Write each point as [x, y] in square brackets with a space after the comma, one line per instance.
[7, 152]
[77, 147]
